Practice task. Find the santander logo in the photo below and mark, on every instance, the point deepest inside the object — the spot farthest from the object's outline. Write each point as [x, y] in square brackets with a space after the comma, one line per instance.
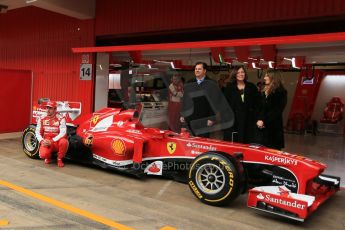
[280, 201]
[154, 168]
[260, 196]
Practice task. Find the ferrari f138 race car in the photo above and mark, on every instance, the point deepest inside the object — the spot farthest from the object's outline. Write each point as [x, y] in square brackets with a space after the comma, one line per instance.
[217, 172]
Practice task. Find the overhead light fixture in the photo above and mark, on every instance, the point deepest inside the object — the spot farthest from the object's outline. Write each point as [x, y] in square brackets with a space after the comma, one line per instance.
[254, 66]
[115, 65]
[166, 62]
[30, 1]
[293, 63]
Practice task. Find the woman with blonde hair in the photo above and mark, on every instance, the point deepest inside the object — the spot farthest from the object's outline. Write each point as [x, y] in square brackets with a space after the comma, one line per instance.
[270, 115]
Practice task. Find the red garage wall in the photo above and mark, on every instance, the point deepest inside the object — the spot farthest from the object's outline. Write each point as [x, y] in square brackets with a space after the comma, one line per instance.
[15, 99]
[124, 17]
[35, 39]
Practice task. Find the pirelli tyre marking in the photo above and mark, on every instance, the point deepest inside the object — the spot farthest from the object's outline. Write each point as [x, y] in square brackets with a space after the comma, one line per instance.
[29, 142]
[213, 179]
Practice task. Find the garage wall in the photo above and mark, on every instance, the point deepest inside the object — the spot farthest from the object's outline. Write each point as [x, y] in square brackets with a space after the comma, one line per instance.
[15, 100]
[125, 17]
[35, 39]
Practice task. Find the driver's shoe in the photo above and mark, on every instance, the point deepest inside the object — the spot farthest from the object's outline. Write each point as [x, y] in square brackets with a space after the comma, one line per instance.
[60, 163]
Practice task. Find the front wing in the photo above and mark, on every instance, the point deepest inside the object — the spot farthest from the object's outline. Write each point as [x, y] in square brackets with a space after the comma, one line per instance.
[279, 200]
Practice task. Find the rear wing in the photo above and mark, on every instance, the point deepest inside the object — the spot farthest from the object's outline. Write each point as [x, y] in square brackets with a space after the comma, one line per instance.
[69, 110]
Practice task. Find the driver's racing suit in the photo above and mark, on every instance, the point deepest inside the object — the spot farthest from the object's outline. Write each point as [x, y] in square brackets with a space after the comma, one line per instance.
[53, 129]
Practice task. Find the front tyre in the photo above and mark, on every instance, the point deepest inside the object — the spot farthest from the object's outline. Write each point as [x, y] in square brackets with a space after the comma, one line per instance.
[30, 143]
[214, 179]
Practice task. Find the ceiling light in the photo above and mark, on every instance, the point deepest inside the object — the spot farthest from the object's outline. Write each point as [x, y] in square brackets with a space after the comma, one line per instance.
[30, 1]
[254, 66]
[293, 63]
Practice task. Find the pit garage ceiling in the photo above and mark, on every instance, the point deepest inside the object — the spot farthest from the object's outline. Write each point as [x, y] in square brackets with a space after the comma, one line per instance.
[81, 9]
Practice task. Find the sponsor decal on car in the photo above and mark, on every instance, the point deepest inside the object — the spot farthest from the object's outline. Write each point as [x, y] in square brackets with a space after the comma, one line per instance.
[284, 181]
[113, 163]
[88, 141]
[281, 201]
[195, 152]
[155, 168]
[119, 123]
[283, 160]
[38, 113]
[171, 147]
[118, 147]
[133, 131]
[94, 119]
[201, 146]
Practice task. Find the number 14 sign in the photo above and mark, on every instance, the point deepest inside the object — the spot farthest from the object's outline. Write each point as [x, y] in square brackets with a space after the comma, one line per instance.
[85, 71]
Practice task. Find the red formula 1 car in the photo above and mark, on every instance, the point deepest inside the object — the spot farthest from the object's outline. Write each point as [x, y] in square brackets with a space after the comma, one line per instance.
[216, 171]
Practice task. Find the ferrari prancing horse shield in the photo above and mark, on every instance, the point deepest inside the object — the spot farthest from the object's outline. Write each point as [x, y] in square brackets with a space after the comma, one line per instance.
[171, 147]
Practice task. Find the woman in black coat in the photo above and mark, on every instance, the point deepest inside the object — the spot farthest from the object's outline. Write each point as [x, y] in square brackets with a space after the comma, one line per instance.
[242, 97]
[270, 116]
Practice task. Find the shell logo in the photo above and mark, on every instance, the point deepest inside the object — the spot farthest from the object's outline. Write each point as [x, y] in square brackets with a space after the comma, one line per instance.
[119, 147]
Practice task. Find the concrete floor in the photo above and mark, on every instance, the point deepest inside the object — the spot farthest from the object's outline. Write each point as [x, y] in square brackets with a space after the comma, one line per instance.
[149, 203]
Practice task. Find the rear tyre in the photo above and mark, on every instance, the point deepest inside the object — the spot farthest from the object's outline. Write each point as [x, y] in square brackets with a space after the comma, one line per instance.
[214, 179]
[30, 143]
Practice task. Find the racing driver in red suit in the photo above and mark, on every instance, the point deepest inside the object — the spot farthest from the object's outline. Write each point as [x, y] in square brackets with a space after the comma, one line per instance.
[51, 134]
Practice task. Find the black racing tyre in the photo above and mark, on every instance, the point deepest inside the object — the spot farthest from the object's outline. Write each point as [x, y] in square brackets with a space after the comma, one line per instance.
[214, 179]
[30, 143]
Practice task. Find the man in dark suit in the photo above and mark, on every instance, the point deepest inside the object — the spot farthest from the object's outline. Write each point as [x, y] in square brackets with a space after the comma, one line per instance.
[203, 103]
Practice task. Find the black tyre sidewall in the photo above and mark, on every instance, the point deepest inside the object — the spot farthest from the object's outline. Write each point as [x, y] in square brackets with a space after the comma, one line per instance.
[232, 184]
[34, 153]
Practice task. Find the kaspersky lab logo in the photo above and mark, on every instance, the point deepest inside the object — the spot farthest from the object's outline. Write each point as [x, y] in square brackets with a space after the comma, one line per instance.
[293, 204]
[282, 160]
